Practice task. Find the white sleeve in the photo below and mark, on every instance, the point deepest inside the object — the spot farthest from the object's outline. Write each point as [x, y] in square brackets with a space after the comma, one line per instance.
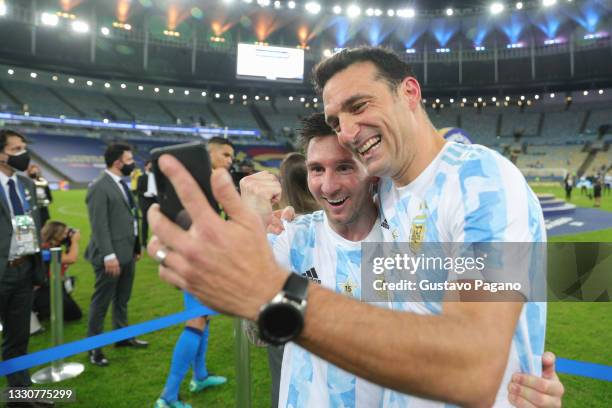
[281, 248]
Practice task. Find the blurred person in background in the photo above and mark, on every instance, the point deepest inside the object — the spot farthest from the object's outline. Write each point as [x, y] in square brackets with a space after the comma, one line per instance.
[147, 196]
[21, 268]
[192, 345]
[294, 184]
[598, 181]
[43, 192]
[57, 234]
[114, 247]
[134, 179]
[568, 184]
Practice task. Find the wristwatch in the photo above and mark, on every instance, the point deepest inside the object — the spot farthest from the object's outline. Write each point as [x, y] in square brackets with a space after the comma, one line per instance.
[282, 319]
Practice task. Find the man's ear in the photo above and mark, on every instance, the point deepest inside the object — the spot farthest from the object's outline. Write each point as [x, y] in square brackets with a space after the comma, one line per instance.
[410, 89]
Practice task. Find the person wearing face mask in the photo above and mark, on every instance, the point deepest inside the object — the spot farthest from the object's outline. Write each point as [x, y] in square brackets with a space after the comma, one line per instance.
[43, 192]
[114, 246]
[21, 268]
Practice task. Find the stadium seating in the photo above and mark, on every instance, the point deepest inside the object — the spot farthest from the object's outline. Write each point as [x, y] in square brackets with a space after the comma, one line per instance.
[79, 158]
[39, 100]
[562, 126]
[235, 115]
[444, 117]
[191, 113]
[289, 113]
[95, 105]
[569, 157]
[481, 126]
[597, 118]
[144, 110]
[603, 159]
[513, 120]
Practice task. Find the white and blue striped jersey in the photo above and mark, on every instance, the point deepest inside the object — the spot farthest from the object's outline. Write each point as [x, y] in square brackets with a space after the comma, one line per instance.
[459, 207]
[469, 193]
[310, 247]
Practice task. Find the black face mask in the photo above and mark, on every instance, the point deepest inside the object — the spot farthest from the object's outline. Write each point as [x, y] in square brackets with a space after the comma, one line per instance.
[19, 161]
[127, 169]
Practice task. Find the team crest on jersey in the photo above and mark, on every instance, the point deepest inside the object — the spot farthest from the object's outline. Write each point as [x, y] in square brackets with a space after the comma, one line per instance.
[348, 288]
[418, 228]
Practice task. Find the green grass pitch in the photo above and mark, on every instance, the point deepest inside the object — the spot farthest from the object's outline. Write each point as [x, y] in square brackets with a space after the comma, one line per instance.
[580, 331]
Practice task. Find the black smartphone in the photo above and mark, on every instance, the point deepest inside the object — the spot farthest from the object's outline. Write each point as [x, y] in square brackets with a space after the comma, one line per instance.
[194, 156]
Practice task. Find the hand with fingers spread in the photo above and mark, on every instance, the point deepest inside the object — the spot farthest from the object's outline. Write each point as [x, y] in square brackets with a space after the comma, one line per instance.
[228, 265]
[529, 391]
[259, 192]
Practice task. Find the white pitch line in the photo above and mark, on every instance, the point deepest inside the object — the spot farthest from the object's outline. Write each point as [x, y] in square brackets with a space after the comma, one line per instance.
[65, 210]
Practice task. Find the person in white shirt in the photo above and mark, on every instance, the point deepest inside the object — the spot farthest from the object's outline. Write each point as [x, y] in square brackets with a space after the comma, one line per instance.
[147, 196]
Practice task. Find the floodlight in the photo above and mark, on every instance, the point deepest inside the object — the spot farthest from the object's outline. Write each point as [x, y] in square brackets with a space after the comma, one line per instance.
[49, 19]
[313, 7]
[79, 26]
[353, 11]
[496, 8]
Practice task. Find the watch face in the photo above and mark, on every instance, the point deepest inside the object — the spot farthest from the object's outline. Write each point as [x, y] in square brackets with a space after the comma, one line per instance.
[280, 322]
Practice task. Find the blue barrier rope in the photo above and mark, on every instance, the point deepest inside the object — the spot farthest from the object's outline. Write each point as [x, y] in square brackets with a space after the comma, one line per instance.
[591, 370]
[101, 340]
[564, 366]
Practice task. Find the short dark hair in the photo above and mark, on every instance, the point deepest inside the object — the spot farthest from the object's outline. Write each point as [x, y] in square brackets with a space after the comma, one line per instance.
[221, 141]
[313, 126]
[390, 67]
[114, 152]
[6, 133]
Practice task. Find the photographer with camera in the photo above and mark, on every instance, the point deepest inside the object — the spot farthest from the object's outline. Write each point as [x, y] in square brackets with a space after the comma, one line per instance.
[58, 234]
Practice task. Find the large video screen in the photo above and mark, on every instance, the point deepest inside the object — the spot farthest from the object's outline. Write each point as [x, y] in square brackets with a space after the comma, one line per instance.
[263, 62]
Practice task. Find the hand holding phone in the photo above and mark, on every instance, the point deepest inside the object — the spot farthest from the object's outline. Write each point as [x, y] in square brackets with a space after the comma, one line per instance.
[194, 157]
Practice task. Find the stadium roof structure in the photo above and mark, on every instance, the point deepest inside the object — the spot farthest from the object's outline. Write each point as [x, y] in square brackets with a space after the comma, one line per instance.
[454, 46]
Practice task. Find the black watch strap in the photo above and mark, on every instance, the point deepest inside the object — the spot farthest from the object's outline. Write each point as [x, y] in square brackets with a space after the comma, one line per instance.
[296, 287]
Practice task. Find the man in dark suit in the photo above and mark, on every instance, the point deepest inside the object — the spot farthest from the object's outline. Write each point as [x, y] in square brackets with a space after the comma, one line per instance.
[114, 247]
[147, 196]
[21, 267]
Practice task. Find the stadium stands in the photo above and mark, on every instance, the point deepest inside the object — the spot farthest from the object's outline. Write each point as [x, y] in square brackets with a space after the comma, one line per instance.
[144, 110]
[444, 117]
[235, 115]
[567, 157]
[598, 117]
[95, 105]
[191, 113]
[38, 100]
[79, 158]
[515, 121]
[602, 160]
[480, 125]
[561, 126]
